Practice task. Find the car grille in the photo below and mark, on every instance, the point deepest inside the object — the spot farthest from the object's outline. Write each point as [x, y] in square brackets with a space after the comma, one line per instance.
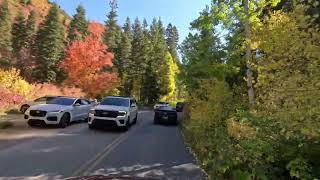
[103, 113]
[38, 113]
[104, 123]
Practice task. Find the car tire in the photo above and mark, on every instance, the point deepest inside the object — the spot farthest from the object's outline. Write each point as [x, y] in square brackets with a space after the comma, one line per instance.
[91, 126]
[155, 121]
[30, 124]
[127, 127]
[64, 121]
[135, 119]
[24, 108]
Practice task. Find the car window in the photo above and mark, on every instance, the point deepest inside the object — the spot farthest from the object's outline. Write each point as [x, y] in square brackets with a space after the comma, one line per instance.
[78, 102]
[62, 101]
[84, 102]
[116, 102]
[40, 99]
[47, 99]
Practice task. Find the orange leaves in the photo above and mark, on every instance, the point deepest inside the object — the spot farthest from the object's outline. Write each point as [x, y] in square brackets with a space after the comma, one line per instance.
[86, 62]
[96, 29]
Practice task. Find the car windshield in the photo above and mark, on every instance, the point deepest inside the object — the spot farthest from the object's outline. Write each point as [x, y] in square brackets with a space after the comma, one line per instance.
[62, 101]
[162, 103]
[115, 102]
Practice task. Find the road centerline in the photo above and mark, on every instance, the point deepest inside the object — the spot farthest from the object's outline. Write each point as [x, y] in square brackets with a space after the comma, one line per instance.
[93, 162]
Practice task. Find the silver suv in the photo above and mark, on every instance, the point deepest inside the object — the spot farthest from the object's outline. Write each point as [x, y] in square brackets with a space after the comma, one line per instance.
[115, 111]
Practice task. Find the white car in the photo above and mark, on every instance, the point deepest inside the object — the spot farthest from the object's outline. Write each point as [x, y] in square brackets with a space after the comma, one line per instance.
[114, 111]
[59, 111]
[161, 104]
[42, 100]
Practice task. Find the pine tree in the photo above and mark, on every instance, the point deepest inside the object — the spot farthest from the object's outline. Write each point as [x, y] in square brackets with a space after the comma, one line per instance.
[49, 46]
[5, 31]
[125, 59]
[137, 57]
[78, 25]
[112, 35]
[159, 52]
[30, 28]
[172, 39]
[19, 33]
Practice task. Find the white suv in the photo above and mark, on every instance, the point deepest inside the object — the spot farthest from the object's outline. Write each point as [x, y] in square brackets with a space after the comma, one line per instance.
[59, 111]
[114, 111]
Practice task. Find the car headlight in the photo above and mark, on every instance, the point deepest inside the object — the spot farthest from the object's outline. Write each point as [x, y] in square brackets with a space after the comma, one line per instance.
[92, 111]
[122, 113]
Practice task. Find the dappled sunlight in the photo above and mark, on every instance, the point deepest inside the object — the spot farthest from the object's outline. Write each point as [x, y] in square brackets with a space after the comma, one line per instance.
[158, 170]
[37, 177]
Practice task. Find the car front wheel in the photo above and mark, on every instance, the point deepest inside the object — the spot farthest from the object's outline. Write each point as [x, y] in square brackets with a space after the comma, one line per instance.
[65, 119]
[135, 119]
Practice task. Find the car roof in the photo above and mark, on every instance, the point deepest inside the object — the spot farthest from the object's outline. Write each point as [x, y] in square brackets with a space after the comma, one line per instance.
[122, 97]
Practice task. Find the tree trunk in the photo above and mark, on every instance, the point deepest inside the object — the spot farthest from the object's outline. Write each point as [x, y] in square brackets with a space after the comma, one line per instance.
[248, 54]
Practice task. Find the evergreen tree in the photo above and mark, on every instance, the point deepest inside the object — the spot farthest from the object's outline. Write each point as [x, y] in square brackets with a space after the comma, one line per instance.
[159, 52]
[78, 25]
[172, 39]
[49, 46]
[5, 31]
[113, 31]
[19, 34]
[137, 57]
[125, 59]
[112, 35]
[149, 87]
[30, 28]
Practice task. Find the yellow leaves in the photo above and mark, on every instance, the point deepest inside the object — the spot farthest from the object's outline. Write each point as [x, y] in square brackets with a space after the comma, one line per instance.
[240, 129]
[11, 80]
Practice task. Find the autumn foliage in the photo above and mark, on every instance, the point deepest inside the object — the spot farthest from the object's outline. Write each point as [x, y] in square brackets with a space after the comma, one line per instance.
[88, 64]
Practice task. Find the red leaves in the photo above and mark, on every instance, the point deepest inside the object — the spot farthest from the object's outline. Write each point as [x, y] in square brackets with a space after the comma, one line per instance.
[96, 28]
[86, 61]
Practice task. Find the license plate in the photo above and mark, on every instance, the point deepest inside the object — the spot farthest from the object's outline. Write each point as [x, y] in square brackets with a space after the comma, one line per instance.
[165, 117]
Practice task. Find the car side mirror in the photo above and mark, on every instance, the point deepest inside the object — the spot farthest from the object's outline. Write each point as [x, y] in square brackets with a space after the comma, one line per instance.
[77, 104]
[179, 108]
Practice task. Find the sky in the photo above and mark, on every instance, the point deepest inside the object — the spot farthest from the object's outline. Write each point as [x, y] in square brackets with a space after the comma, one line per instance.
[179, 12]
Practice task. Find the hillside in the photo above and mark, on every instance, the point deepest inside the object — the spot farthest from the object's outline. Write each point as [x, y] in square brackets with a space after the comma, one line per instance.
[41, 8]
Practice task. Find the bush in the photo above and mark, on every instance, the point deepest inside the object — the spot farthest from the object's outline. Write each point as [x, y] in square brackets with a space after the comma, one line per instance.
[5, 124]
[9, 98]
[12, 81]
[47, 89]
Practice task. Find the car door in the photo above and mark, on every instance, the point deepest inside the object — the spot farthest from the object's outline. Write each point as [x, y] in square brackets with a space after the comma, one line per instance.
[133, 108]
[76, 112]
[85, 108]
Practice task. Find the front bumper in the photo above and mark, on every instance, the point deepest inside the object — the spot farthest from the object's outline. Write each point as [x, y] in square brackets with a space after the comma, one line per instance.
[51, 118]
[107, 121]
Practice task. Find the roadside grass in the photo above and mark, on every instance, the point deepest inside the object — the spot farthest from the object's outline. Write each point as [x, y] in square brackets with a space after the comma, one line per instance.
[5, 124]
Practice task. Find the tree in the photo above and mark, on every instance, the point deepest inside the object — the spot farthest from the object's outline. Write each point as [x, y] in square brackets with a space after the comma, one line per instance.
[112, 35]
[85, 62]
[172, 39]
[19, 33]
[5, 31]
[30, 28]
[125, 57]
[171, 75]
[159, 51]
[78, 25]
[49, 46]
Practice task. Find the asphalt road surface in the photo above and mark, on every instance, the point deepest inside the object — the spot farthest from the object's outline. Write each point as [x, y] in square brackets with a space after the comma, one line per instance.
[146, 150]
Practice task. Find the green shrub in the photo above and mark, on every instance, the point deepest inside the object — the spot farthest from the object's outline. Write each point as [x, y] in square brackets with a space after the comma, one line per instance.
[5, 124]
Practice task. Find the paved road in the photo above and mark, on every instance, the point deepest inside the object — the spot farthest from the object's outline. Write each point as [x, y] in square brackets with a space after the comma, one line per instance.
[146, 150]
